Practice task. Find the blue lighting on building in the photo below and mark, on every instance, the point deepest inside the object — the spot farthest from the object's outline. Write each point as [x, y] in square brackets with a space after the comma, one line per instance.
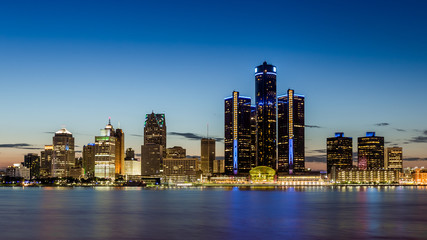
[235, 159]
[370, 134]
[339, 134]
[291, 153]
[266, 73]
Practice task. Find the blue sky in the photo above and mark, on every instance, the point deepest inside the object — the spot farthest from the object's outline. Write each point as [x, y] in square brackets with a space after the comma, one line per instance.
[75, 63]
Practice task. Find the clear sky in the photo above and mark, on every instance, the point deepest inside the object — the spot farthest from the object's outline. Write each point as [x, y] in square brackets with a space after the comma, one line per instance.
[362, 66]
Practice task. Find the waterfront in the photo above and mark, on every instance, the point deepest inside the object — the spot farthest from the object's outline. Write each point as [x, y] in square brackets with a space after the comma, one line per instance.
[213, 213]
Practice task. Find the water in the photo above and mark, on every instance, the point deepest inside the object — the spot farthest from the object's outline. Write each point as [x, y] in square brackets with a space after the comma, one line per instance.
[214, 213]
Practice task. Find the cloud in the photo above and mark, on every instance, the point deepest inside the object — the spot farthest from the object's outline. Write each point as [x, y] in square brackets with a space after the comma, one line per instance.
[418, 139]
[381, 124]
[316, 158]
[49, 132]
[400, 130]
[191, 136]
[136, 135]
[19, 146]
[312, 126]
[425, 132]
[318, 151]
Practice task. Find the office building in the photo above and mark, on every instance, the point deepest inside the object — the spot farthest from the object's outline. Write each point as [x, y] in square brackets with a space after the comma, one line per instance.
[237, 134]
[89, 159]
[265, 100]
[120, 152]
[291, 133]
[46, 161]
[339, 152]
[219, 166]
[151, 159]
[18, 170]
[175, 152]
[105, 153]
[357, 176]
[63, 153]
[132, 165]
[393, 159]
[207, 155]
[253, 136]
[32, 162]
[155, 130]
[371, 150]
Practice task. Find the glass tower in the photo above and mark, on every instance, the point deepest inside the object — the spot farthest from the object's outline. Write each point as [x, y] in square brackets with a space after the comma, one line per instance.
[371, 150]
[339, 152]
[63, 158]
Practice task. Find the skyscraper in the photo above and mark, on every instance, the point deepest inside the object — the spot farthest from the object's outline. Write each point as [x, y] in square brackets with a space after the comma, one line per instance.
[32, 161]
[371, 150]
[63, 153]
[265, 99]
[339, 152]
[46, 161]
[105, 153]
[393, 159]
[291, 131]
[89, 159]
[207, 155]
[155, 130]
[151, 159]
[237, 134]
[120, 151]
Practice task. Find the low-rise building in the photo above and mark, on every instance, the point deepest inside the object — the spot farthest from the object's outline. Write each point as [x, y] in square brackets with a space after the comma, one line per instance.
[420, 176]
[358, 176]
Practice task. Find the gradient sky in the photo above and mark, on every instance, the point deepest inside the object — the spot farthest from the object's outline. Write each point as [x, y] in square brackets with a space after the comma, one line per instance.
[362, 66]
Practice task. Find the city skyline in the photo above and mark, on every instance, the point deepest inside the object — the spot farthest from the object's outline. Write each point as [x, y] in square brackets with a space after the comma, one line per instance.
[195, 74]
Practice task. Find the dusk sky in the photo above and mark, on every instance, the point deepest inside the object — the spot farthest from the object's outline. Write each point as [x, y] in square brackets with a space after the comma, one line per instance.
[362, 66]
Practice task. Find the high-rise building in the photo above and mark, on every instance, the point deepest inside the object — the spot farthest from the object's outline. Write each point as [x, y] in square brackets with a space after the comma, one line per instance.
[371, 149]
[46, 161]
[89, 159]
[291, 125]
[175, 152]
[253, 136]
[120, 151]
[207, 155]
[32, 161]
[155, 130]
[63, 153]
[151, 159]
[393, 159]
[105, 153]
[265, 99]
[237, 134]
[339, 152]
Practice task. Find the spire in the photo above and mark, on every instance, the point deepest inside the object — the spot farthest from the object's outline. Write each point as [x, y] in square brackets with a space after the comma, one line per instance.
[109, 120]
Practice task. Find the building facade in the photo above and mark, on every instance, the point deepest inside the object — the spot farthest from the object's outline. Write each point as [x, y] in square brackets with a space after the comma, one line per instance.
[176, 152]
[63, 159]
[105, 153]
[237, 134]
[393, 158]
[89, 159]
[265, 101]
[46, 161]
[32, 162]
[339, 152]
[120, 152]
[291, 133]
[207, 155]
[371, 149]
[151, 159]
[155, 130]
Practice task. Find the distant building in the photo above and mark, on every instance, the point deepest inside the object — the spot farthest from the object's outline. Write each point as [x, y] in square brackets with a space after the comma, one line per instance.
[420, 176]
[339, 152]
[253, 136]
[63, 153]
[237, 135]
[46, 161]
[32, 161]
[151, 159]
[176, 152]
[393, 158]
[371, 147]
[291, 133]
[155, 130]
[132, 165]
[180, 169]
[265, 100]
[105, 153]
[18, 170]
[89, 159]
[219, 166]
[120, 152]
[207, 155]
[366, 176]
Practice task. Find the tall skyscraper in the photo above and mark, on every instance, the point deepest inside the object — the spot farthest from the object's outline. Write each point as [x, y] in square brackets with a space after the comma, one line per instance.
[207, 155]
[265, 99]
[32, 161]
[46, 161]
[63, 153]
[89, 159]
[105, 153]
[237, 134]
[339, 152]
[291, 131]
[253, 136]
[120, 151]
[151, 159]
[155, 130]
[371, 150]
[393, 158]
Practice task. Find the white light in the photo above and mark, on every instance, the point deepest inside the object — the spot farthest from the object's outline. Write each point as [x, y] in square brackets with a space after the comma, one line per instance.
[256, 70]
[274, 69]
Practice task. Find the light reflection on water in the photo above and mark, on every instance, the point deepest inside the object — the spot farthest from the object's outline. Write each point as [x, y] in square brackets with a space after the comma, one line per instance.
[389, 212]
